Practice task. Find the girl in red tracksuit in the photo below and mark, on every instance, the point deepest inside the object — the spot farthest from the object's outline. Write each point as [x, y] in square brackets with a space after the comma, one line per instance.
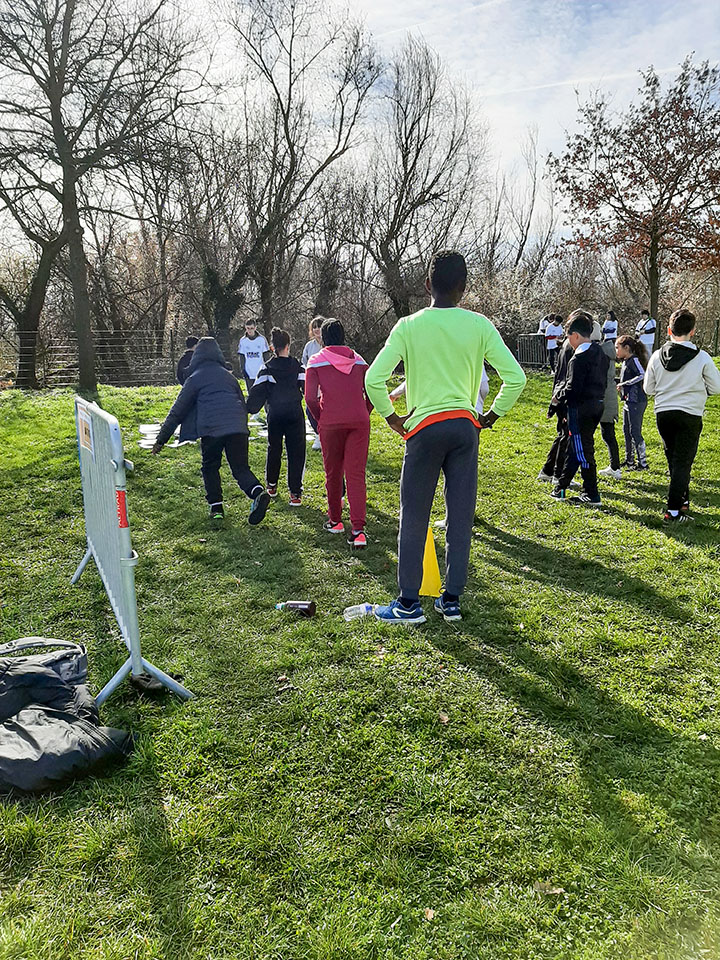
[335, 396]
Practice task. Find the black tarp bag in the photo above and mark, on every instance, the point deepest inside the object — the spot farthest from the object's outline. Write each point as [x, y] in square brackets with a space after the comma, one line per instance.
[50, 730]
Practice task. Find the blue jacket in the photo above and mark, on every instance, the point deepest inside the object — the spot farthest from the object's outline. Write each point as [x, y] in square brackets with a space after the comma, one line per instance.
[211, 403]
[632, 375]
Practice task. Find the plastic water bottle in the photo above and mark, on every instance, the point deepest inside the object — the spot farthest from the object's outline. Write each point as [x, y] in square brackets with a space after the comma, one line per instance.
[360, 610]
[306, 608]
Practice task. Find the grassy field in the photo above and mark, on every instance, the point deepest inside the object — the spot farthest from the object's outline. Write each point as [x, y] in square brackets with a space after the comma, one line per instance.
[541, 780]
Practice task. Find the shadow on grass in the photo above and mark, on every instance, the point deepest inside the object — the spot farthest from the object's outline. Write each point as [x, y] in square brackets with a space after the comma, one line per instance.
[550, 565]
[629, 763]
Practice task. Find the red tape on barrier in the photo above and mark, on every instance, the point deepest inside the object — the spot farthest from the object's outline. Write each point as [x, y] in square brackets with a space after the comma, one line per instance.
[121, 509]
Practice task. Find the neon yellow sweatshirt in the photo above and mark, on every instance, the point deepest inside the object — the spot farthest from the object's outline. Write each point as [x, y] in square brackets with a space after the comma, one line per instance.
[443, 349]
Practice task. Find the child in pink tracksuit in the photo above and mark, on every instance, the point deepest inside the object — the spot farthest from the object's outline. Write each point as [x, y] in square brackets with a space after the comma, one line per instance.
[335, 396]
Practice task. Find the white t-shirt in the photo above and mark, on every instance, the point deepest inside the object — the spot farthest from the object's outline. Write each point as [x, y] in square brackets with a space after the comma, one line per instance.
[253, 351]
[484, 390]
[309, 350]
[552, 332]
[542, 327]
[645, 332]
[610, 329]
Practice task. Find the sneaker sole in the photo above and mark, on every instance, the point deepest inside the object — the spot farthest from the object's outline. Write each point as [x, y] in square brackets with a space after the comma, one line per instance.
[450, 619]
[406, 620]
[295, 504]
[334, 531]
[258, 514]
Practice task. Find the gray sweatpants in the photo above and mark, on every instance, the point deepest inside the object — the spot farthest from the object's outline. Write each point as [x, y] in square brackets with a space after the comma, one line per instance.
[450, 446]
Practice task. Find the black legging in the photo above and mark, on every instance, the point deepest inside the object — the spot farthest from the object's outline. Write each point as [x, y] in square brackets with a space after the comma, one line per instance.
[608, 434]
[293, 432]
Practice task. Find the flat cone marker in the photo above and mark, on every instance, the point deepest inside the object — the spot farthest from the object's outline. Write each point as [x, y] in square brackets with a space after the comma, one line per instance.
[431, 584]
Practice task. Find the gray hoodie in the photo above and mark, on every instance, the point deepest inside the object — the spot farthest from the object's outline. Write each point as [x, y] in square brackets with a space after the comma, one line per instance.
[681, 377]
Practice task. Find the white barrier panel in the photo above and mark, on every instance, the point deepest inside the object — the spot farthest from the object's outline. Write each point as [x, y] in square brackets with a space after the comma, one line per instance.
[102, 468]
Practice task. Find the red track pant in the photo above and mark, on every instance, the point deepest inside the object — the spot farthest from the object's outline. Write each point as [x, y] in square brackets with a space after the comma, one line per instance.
[345, 452]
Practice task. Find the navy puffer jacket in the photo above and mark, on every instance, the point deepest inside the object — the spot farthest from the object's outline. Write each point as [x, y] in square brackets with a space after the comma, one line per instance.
[211, 403]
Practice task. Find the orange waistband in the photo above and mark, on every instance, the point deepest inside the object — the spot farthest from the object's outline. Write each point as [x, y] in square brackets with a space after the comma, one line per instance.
[439, 417]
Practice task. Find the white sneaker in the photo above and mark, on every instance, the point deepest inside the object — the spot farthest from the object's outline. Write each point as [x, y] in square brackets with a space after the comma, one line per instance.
[609, 472]
[316, 444]
[544, 477]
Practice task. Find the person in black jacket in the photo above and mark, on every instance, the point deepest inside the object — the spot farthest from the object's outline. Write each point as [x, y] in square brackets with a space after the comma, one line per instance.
[583, 394]
[281, 384]
[183, 367]
[211, 406]
[556, 457]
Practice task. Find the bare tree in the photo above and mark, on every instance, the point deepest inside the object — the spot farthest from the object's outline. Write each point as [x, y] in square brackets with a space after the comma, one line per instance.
[94, 79]
[24, 303]
[307, 78]
[423, 174]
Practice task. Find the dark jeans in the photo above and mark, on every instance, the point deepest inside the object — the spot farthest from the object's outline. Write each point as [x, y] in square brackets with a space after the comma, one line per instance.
[680, 434]
[235, 446]
[450, 446]
[552, 358]
[633, 414]
[608, 434]
[582, 422]
[293, 432]
[556, 457]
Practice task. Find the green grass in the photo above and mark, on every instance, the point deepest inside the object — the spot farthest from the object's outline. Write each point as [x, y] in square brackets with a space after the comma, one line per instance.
[322, 821]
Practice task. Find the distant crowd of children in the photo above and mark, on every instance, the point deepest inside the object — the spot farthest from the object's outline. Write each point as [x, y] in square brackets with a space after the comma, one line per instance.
[680, 377]
[443, 349]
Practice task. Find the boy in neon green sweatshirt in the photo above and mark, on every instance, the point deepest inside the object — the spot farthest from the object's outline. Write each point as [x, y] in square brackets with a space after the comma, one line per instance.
[443, 348]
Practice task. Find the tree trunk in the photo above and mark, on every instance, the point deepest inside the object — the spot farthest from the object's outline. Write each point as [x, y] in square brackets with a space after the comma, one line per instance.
[225, 310]
[87, 379]
[654, 279]
[327, 287]
[28, 320]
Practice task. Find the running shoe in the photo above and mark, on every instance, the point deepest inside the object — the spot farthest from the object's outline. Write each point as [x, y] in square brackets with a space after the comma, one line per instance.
[395, 612]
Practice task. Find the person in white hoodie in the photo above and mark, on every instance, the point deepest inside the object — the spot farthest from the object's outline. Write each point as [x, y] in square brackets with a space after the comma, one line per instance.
[681, 378]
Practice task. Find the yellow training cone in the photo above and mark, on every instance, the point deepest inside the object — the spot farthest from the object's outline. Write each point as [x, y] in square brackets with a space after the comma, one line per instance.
[431, 584]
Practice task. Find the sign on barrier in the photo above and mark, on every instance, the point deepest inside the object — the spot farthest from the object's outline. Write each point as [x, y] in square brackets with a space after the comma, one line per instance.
[103, 468]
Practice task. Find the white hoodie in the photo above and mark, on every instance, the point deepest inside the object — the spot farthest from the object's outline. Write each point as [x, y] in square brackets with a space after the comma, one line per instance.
[685, 386]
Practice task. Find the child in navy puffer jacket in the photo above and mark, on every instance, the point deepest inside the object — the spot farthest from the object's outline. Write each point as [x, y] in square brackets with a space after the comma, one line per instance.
[211, 406]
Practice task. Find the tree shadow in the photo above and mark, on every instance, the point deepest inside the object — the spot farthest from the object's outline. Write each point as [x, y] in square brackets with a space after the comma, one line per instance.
[550, 565]
[120, 845]
[621, 753]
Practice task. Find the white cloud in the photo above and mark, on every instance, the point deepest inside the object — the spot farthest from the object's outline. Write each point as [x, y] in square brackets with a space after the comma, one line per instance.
[526, 58]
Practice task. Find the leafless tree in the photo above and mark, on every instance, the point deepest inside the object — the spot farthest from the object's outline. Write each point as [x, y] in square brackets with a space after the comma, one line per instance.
[423, 174]
[306, 78]
[94, 79]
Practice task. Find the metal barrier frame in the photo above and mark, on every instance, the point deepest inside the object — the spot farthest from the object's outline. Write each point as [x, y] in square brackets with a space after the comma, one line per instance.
[107, 551]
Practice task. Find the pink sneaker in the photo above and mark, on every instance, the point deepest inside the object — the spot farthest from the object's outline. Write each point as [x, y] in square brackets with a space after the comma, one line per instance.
[358, 541]
[295, 501]
[334, 527]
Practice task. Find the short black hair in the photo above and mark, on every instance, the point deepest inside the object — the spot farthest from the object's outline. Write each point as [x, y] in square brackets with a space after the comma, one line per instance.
[557, 319]
[682, 322]
[333, 333]
[280, 338]
[192, 342]
[580, 322]
[645, 312]
[447, 271]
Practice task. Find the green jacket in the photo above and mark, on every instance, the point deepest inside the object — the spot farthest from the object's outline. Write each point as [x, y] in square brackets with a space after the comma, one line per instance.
[443, 349]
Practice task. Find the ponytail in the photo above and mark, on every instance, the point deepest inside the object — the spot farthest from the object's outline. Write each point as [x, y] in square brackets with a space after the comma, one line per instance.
[636, 348]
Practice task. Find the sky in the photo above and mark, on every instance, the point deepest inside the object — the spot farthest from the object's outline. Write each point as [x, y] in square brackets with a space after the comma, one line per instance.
[529, 60]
